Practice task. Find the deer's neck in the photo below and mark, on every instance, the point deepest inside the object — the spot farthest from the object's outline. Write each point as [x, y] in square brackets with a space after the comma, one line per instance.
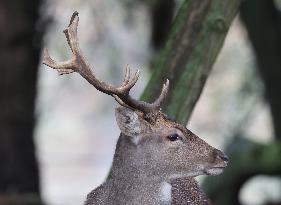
[141, 190]
[132, 182]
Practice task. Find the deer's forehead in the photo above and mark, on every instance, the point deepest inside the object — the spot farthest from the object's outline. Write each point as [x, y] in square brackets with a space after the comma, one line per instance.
[160, 131]
[164, 124]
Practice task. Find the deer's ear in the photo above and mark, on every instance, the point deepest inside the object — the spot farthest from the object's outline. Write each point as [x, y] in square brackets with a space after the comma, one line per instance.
[129, 122]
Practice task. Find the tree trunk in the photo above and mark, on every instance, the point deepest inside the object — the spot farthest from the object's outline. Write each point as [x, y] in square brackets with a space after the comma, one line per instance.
[20, 45]
[162, 12]
[266, 40]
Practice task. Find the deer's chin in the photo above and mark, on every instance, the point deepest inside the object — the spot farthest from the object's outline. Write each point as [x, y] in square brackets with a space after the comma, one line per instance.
[214, 170]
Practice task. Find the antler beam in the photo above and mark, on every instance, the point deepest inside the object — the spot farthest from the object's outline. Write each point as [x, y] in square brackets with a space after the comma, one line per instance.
[79, 64]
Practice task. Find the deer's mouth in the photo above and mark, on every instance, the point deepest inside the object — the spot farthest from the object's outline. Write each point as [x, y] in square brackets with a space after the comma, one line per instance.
[214, 170]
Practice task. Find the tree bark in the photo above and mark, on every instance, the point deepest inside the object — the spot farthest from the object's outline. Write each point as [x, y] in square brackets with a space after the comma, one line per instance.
[195, 40]
[20, 45]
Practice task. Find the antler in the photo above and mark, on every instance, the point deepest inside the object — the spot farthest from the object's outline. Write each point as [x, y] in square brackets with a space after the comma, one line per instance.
[79, 64]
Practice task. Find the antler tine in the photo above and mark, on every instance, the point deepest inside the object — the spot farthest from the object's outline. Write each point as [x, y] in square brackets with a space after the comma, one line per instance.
[127, 75]
[164, 92]
[62, 67]
[126, 87]
[71, 33]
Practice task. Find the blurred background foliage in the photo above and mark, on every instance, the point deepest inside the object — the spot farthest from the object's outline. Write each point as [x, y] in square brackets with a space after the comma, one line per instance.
[57, 134]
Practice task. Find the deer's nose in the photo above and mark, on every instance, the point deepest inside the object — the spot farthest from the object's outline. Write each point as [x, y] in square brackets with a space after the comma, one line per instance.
[221, 155]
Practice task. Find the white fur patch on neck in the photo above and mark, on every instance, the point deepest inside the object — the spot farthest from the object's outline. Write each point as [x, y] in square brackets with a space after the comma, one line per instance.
[166, 192]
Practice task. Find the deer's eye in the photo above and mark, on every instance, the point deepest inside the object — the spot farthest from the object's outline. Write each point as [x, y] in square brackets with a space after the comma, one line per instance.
[174, 137]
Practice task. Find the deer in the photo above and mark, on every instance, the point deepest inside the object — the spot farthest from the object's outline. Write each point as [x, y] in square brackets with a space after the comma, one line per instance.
[152, 149]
